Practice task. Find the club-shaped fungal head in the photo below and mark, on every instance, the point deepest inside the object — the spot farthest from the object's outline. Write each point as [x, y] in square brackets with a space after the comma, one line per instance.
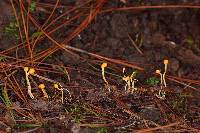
[55, 86]
[166, 62]
[41, 86]
[127, 78]
[104, 65]
[26, 69]
[31, 71]
[158, 71]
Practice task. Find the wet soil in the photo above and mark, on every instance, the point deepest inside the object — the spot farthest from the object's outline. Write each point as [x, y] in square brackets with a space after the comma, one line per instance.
[143, 37]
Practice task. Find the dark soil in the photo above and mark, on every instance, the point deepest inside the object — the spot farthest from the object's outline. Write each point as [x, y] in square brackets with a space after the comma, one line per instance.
[163, 33]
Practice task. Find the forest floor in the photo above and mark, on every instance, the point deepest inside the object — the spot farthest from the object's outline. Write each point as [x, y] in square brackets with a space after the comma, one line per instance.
[97, 62]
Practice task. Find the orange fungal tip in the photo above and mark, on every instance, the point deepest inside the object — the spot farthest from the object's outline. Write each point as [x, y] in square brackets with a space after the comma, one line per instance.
[166, 62]
[41, 86]
[55, 86]
[31, 71]
[26, 69]
[104, 65]
[158, 71]
[126, 78]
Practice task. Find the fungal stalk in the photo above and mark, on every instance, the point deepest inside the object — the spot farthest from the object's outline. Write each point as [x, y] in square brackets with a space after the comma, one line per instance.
[56, 86]
[130, 82]
[127, 86]
[26, 70]
[160, 95]
[103, 66]
[161, 76]
[165, 63]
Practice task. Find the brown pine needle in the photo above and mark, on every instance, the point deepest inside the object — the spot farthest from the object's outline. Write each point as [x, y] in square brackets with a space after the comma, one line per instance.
[135, 45]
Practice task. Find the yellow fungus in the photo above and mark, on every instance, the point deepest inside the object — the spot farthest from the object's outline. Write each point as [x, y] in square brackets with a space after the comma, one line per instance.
[126, 78]
[42, 86]
[60, 89]
[28, 82]
[31, 71]
[158, 71]
[103, 74]
[161, 77]
[161, 94]
[104, 65]
[55, 86]
[26, 69]
[130, 82]
[166, 61]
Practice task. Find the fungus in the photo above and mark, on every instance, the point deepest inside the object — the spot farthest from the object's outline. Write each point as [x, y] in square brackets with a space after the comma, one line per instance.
[103, 66]
[165, 63]
[42, 86]
[128, 83]
[161, 79]
[160, 95]
[31, 71]
[28, 82]
[56, 86]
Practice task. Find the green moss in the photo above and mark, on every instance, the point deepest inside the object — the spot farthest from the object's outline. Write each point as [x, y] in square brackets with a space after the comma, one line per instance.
[12, 30]
[102, 130]
[152, 81]
[32, 7]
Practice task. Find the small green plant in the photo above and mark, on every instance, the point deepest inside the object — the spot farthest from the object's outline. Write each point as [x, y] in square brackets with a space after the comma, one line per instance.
[32, 7]
[76, 112]
[12, 30]
[7, 102]
[5, 97]
[36, 34]
[2, 58]
[152, 81]
[101, 130]
[27, 125]
[190, 41]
